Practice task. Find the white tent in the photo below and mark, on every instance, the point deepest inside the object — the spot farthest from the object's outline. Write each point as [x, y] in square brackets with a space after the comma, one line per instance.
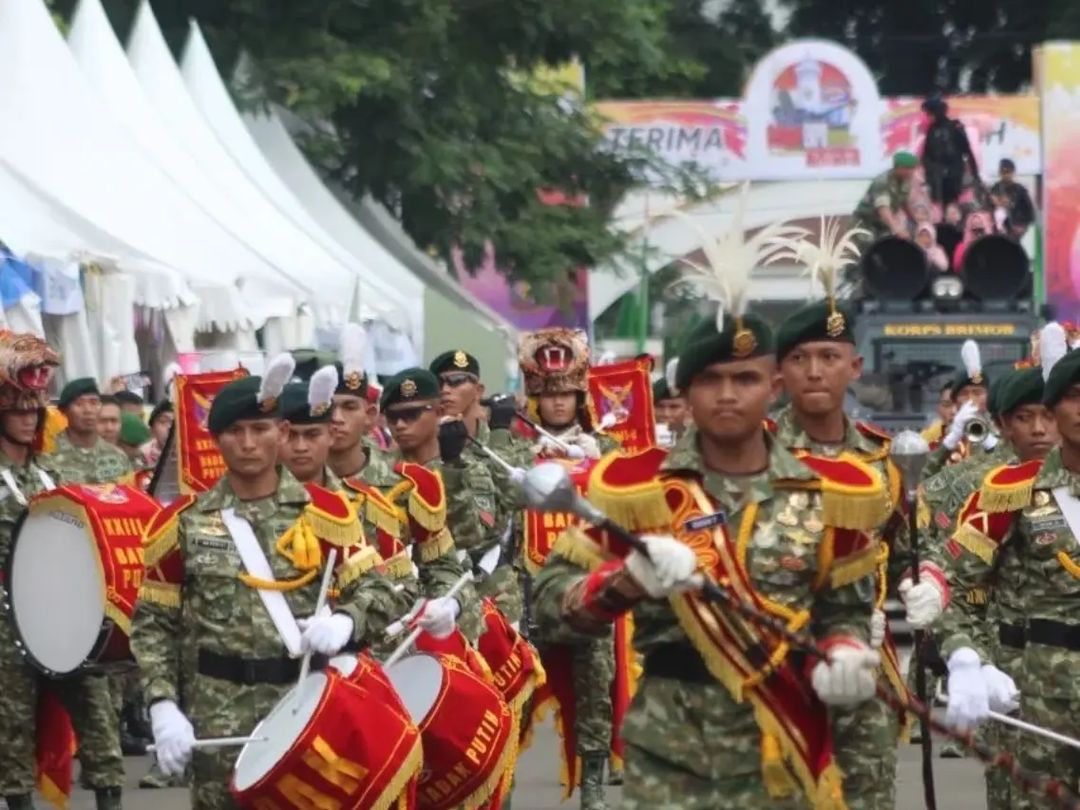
[329, 285]
[382, 286]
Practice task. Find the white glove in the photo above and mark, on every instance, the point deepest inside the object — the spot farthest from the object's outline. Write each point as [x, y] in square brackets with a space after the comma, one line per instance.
[968, 411]
[1001, 690]
[173, 737]
[325, 633]
[878, 621]
[849, 676]
[438, 616]
[991, 441]
[666, 570]
[969, 699]
[924, 602]
[589, 445]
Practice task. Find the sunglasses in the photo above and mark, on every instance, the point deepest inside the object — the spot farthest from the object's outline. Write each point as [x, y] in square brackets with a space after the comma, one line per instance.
[456, 380]
[407, 415]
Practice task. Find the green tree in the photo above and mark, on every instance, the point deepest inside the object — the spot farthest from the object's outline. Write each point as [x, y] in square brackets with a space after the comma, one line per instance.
[430, 107]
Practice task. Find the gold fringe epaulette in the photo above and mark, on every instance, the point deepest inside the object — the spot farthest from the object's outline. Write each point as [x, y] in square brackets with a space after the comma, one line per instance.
[358, 564]
[439, 544]
[332, 517]
[625, 486]
[575, 546]
[1009, 487]
[853, 495]
[162, 534]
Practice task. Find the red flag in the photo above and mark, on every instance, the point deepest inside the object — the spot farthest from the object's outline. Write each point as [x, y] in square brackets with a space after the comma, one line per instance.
[54, 748]
[621, 393]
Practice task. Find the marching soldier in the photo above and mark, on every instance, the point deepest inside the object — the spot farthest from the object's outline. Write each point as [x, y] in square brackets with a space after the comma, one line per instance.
[1017, 536]
[671, 408]
[946, 410]
[81, 456]
[86, 695]
[495, 493]
[705, 729]
[815, 349]
[353, 416]
[307, 408]
[212, 655]
[970, 391]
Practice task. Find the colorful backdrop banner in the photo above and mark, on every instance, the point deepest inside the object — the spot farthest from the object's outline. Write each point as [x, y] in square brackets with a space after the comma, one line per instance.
[621, 393]
[1059, 74]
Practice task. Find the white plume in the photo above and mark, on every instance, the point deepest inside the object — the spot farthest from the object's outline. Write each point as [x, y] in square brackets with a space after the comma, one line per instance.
[732, 258]
[1053, 345]
[168, 378]
[353, 344]
[969, 355]
[824, 260]
[278, 372]
[671, 371]
[321, 389]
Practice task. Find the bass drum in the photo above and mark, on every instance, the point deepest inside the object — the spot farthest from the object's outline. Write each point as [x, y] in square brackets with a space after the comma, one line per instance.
[74, 574]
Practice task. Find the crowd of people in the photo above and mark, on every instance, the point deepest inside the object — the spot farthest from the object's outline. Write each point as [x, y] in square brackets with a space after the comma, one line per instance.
[938, 198]
[749, 518]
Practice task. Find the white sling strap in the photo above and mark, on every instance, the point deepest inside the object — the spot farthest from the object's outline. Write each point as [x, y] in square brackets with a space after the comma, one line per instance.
[9, 481]
[251, 554]
[1069, 505]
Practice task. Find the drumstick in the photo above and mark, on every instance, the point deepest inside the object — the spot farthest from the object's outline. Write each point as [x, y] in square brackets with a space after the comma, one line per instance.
[324, 590]
[218, 742]
[403, 647]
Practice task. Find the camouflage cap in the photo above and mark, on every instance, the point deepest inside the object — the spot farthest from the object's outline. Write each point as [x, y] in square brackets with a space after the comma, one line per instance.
[823, 320]
[1021, 387]
[456, 360]
[1064, 375]
[238, 402]
[410, 385]
[83, 386]
[742, 338]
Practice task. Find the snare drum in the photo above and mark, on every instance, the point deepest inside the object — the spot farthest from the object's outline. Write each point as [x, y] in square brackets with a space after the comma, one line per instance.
[74, 573]
[515, 664]
[468, 730]
[328, 745]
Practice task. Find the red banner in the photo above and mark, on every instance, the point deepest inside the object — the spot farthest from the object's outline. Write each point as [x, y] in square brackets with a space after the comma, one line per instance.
[622, 393]
[542, 529]
[201, 464]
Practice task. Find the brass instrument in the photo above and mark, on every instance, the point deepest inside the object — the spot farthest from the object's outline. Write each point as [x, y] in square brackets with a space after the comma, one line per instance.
[977, 429]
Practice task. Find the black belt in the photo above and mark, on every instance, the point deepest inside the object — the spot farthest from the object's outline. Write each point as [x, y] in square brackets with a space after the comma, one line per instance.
[250, 671]
[1012, 635]
[1054, 634]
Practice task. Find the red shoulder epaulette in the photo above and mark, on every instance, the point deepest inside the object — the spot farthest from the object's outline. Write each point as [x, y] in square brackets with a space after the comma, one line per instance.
[427, 495]
[625, 486]
[872, 431]
[853, 494]
[332, 516]
[1009, 487]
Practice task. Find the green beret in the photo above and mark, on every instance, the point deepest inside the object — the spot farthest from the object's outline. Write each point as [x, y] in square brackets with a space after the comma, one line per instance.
[239, 401]
[1064, 375]
[410, 385]
[661, 391]
[165, 406]
[993, 393]
[126, 397]
[133, 430]
[81, 387]
[1022, 387]
[741, 339]
[905, 160]
[296, 408]
[821, 320]
[962, 380]
[354, 384]
[457, 360]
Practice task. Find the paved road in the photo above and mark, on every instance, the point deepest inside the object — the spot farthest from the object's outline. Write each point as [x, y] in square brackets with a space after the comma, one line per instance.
[959, 783]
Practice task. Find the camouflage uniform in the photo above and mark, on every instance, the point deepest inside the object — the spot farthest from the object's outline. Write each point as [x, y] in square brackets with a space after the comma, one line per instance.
[436, 577]
[1035, 571]
[86, 695]
[221, 622]
[689, 743]
[100, 464]
[886, 191]
[865, 735]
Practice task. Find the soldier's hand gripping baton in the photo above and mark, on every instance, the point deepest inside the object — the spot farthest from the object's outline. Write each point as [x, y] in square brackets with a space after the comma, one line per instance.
[403, 648]
[548, 488]
[570, 450]
[909, 452]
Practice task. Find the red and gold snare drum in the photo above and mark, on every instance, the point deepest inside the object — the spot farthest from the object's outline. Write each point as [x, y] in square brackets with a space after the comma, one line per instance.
[468, 730]
[328, 745]
[514, 662]
[74, 575]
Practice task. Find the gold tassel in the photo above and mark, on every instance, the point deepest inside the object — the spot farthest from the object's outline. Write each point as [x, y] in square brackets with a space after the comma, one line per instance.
[1068, 564]
[774, 772]
[389, 522]
[1005, 497]
[575, 546]
[970, 538]
[436, 546]
[853, 567]
[336, 531]
[638, 507]
[394, 794]
[279, 584]
[356, 566]
[431, 519]
[848, 510]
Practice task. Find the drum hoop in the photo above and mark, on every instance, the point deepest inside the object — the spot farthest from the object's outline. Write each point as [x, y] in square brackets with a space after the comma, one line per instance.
[440, 695]
[332, 681]
[100, 643]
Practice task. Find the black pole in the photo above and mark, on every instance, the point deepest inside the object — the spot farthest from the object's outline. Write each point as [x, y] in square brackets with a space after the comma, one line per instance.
[927, 743]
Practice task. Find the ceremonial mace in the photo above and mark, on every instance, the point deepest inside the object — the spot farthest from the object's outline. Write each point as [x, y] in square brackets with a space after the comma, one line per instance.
[909, 453]
[548, 488]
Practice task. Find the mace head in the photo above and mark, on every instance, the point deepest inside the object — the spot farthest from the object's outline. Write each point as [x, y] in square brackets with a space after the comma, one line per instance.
[909, 452]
